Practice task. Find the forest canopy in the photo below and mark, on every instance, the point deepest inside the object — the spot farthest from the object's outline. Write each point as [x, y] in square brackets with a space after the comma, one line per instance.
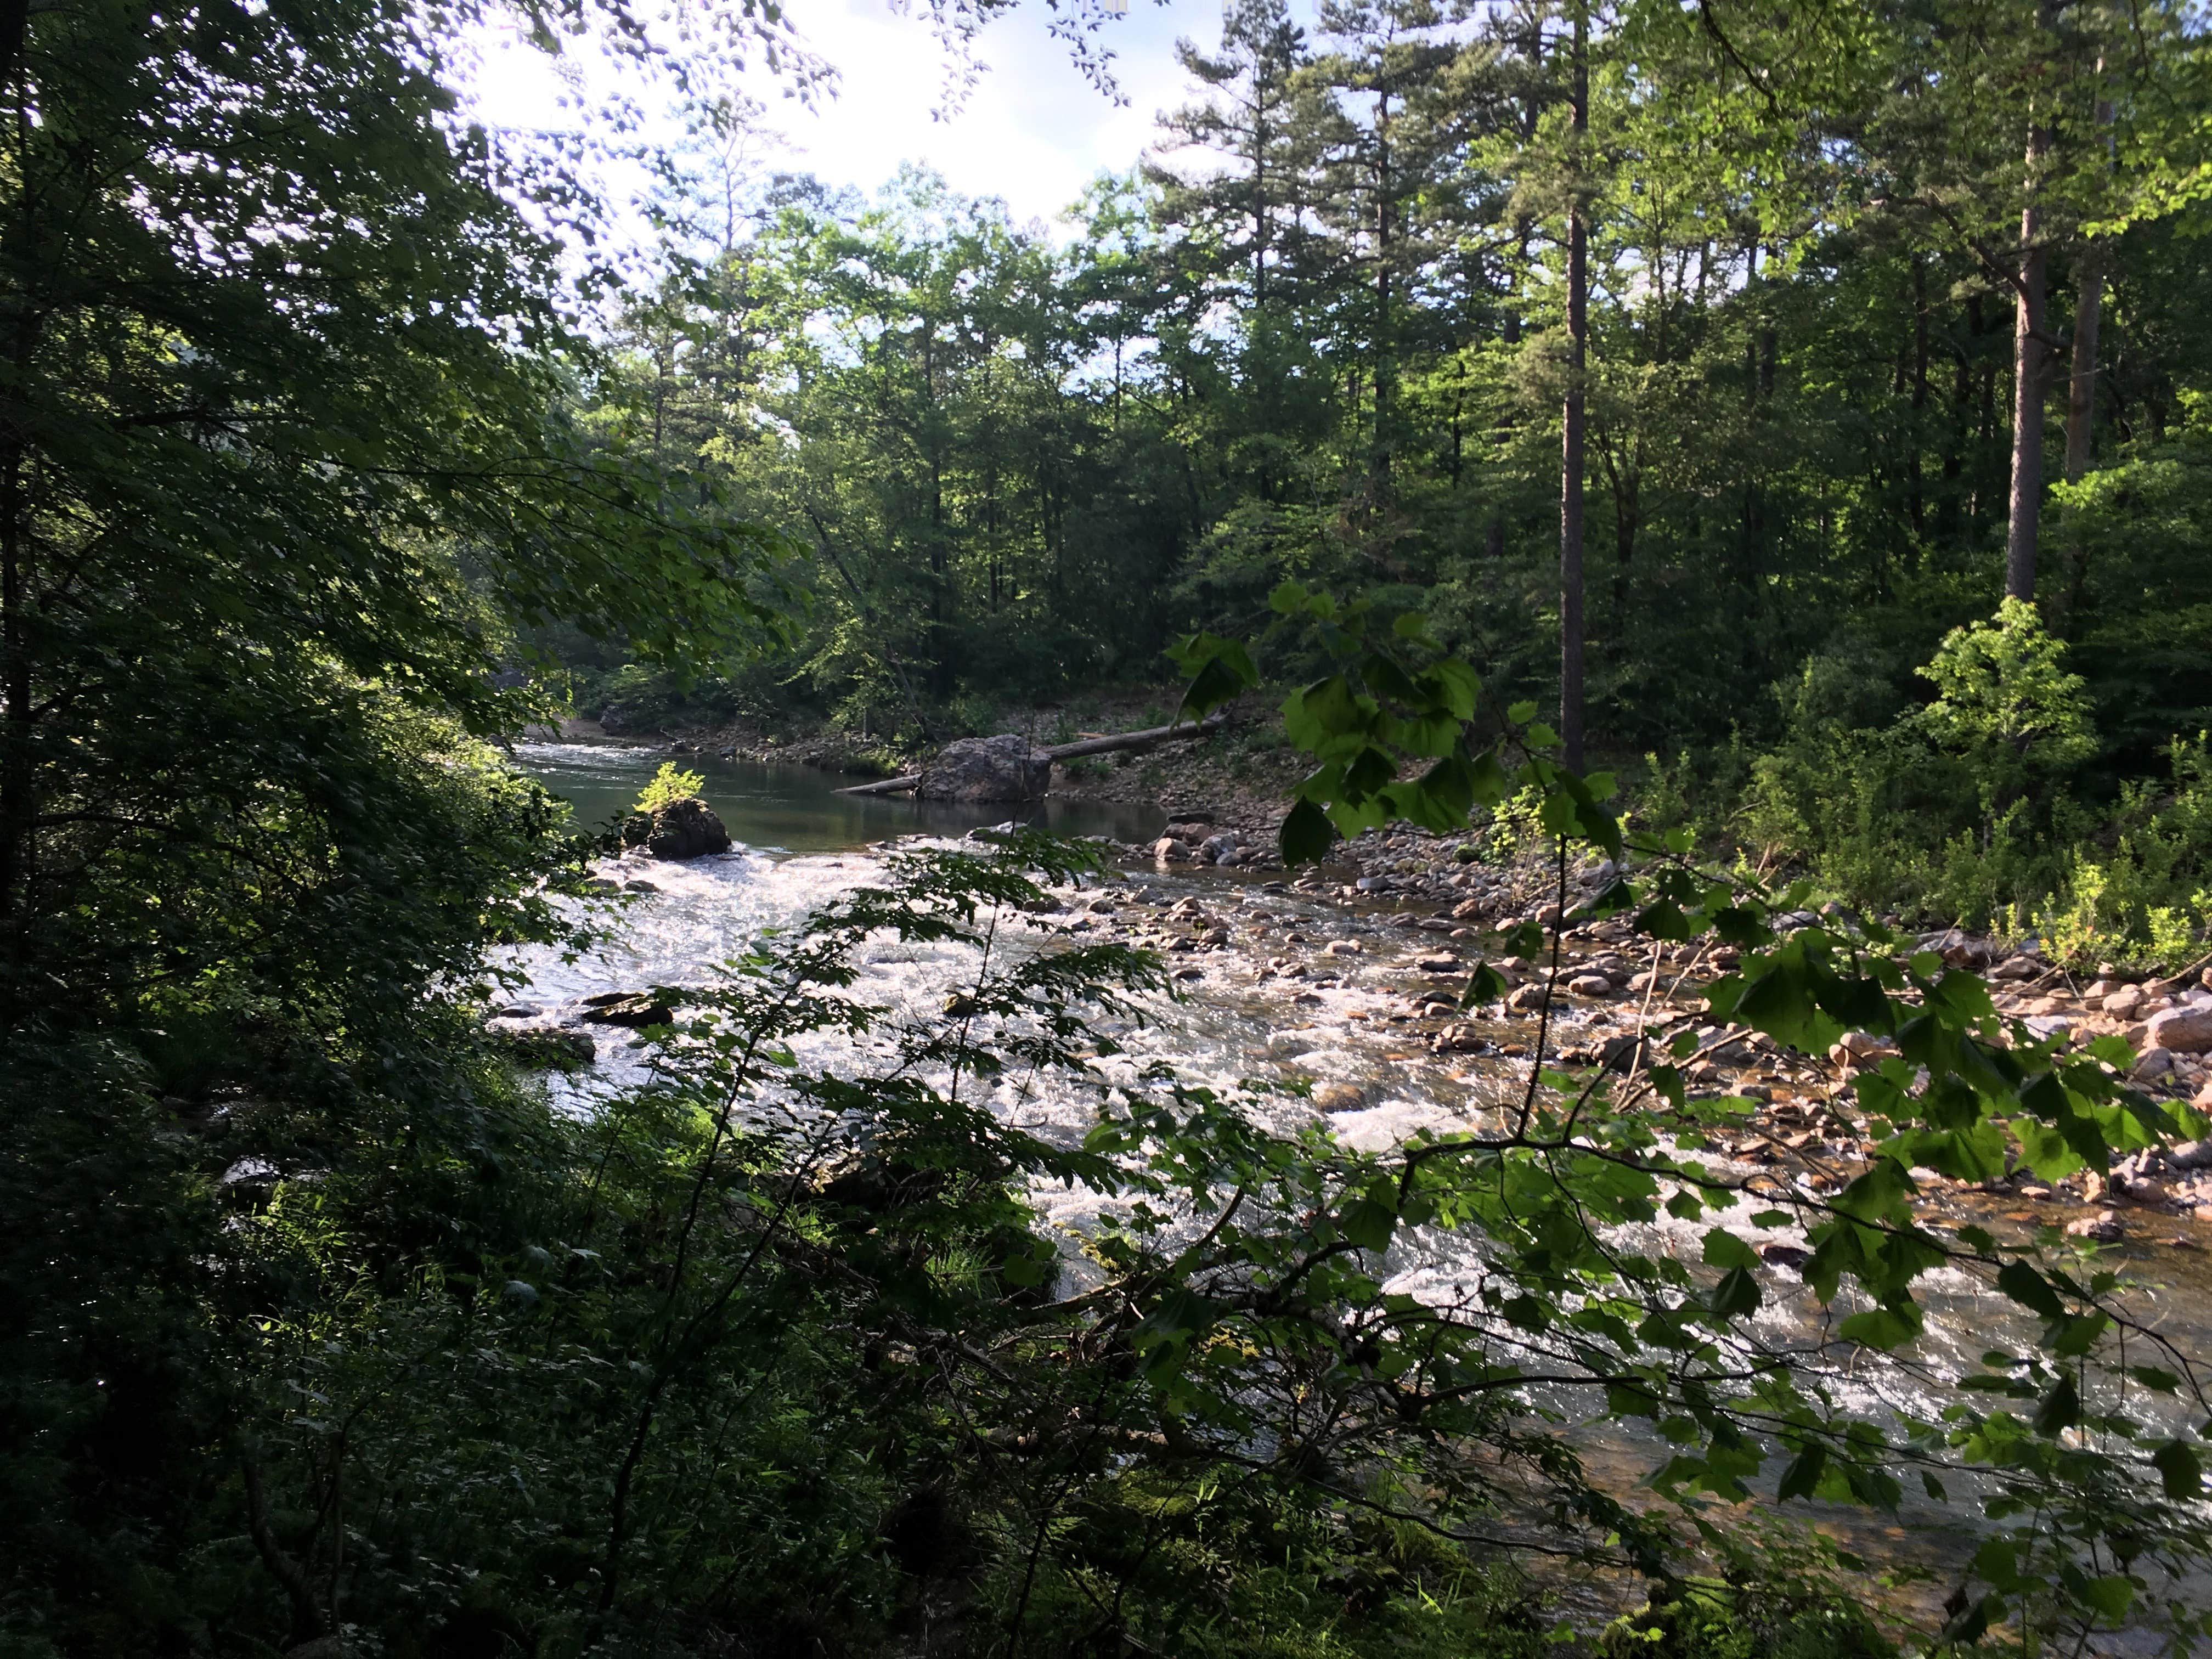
[1326, 330]
[1804, 412]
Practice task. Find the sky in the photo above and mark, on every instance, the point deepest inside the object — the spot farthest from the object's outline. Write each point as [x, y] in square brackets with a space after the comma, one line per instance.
[1033, 129]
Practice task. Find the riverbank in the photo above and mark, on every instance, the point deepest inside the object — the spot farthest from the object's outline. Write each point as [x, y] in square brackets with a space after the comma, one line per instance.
[1224, 798]
[1332, 997]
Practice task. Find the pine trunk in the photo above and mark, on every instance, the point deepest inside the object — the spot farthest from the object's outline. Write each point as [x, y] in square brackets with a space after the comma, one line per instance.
[1571, 441]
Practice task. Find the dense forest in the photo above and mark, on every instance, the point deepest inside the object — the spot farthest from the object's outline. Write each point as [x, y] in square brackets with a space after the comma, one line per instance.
[1327, 331]
[1735, 478]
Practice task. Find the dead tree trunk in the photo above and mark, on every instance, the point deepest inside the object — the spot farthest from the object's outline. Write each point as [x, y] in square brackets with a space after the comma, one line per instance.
[1118, 743]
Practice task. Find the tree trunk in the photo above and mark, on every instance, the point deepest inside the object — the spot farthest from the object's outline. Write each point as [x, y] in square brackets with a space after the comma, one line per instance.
[2030, 358]
[1118, 743]
[2082, 393]
[2081, 390]
[1917, 504]
[2081, 385]
[1571, 426]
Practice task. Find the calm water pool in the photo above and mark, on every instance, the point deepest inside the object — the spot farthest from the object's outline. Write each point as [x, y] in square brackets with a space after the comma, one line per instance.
[797, 809]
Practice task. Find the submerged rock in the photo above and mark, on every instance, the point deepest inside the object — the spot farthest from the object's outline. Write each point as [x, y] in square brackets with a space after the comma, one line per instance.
[2103, 1228]
[633, 1009]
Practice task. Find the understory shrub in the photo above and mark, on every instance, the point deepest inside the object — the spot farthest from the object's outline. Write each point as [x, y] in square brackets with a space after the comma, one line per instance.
[2139, 895]
[1967, 809]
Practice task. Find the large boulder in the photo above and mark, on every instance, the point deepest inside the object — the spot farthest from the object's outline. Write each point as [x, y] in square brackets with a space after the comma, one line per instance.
[2186, 1031]
[685, 828]
[1004, 768]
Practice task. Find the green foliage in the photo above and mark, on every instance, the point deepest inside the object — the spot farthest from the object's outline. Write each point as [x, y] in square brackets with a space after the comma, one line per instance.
[2138, 895]
[2062, 1470]
[1956, 809]
[320, 1321]
[669, 785]
[2006, 704]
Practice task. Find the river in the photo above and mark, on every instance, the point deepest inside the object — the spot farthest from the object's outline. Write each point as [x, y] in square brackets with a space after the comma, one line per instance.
[1273, 1003]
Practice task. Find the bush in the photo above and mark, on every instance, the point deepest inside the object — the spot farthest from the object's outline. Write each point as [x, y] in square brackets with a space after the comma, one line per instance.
[669, 785]
[2141, 895]
[1954, 810]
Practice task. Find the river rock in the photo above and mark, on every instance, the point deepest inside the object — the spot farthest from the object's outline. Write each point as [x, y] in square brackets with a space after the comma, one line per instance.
[1004, 768]
[2102, 1228]
[685, 828]
[633, 1009]
[2186, 1031]
[2153, 1062]
[1344, 947]
[1167, 849]
[1338, 1097]
[1590, 985]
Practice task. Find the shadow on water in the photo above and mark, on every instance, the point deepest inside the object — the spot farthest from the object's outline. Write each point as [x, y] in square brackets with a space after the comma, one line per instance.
[797, 809]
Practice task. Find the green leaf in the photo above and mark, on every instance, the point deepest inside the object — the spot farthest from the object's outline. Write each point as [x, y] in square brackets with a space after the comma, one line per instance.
[1307, 835]
[2180, 1468]
[1524, 938]
[1882, 1328]
[1723, 1248]
[1368, 1224]
[1738, 926]
[1484, 985]
[2031, 1289]
[1219, 670]
[1735, 1295]
[2111, 1596]
[2060, 1407]
[1802, 1479]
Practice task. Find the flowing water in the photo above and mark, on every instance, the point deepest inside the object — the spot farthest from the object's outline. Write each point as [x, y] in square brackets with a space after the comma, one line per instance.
[1275, 1007]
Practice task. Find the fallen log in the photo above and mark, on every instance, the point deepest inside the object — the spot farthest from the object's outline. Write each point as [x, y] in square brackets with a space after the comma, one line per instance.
[1118, 743]
[1144, 739]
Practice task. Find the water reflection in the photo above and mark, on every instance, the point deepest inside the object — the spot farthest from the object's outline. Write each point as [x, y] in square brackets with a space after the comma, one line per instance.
[797, 809]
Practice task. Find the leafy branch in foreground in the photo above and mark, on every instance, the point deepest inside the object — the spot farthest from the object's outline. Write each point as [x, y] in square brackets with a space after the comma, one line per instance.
[2084, 1460]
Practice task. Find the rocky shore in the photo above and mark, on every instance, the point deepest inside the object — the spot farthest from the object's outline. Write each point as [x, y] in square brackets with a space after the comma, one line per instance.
[1367, 959]
[1609, 987]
